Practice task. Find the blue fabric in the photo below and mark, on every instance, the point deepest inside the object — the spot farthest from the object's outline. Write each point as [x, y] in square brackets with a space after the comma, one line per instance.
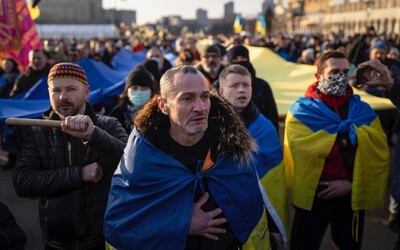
[270, 151]
[2, 81]
[23, 108]
[100, 75]
[39, 91]
[2, 120]
[105, 83]
[171, 57]
[151, 198]
[125, 60]
[316, 116]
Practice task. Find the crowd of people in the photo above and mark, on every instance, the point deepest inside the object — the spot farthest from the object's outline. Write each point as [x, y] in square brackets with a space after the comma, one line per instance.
[203, 164]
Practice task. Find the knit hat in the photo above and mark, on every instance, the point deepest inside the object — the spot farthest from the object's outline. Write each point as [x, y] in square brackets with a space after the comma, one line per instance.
[212, 49]
[69, 71]
[237, 50]
[379, 45]
[139, 76]
[152, 66]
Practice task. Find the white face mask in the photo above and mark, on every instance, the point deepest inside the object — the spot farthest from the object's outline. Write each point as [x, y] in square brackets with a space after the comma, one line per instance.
[335, 85]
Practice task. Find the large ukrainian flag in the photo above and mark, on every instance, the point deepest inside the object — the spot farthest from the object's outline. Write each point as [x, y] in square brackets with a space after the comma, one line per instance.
[311, 129]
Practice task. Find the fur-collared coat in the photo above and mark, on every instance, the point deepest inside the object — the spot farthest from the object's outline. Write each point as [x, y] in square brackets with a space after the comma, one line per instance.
[159, 190]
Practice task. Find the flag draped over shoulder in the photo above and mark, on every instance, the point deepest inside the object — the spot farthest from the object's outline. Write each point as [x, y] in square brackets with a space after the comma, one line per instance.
[270, 170]
[261, 25]
[22, 33]
[151, 198]
[238, 24]
[311, 130]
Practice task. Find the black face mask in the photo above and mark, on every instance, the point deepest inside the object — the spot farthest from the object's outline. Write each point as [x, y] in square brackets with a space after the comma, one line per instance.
[245, 64]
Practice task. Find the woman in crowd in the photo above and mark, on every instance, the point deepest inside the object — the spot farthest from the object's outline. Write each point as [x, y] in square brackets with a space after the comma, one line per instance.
[139, 88]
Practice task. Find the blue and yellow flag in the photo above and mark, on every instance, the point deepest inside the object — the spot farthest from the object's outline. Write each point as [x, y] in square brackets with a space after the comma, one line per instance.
[271, 173]
[261, 25]
[311, 130]
[238, 24]
[149, 207]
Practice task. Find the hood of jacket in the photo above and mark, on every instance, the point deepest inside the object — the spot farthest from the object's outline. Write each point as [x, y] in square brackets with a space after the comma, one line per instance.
[231, 134]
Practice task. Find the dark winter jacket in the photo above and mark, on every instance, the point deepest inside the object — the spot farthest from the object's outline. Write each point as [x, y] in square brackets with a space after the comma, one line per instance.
[11, 235]
[50, 166]
[26, 81]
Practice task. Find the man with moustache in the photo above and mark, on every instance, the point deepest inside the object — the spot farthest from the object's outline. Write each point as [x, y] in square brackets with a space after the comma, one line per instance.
[210, 64]
[186, 179]
[70, 168]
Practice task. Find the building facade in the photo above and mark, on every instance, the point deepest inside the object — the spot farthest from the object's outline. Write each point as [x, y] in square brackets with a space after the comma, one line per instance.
[81, 12]
[229, 12]
[309, 16]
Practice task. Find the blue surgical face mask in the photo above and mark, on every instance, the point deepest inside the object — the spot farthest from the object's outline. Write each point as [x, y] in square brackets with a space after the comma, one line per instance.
[139, 97]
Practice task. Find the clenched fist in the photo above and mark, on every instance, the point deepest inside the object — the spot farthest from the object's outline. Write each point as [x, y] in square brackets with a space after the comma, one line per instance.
[80, 126]
[92, 173]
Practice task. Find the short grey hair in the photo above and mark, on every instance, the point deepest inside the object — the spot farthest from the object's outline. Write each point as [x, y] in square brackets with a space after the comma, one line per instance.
[233, 68]
[167, 85]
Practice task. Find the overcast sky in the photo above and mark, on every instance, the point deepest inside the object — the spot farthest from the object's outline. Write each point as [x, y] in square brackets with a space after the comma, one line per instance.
[152, 10]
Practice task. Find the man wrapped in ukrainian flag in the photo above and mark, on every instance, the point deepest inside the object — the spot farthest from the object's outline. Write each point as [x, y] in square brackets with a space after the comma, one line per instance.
[336, 159]
[187, 179]
[235, 86]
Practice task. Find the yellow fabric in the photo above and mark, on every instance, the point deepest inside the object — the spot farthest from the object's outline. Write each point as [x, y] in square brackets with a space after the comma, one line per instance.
[371, 167]
[290, 80]
[305, 153]
[109, 247]
[308, 151]
[274, 185]
[237, 26]
[259, 238]
[34, 12]
[260, 29]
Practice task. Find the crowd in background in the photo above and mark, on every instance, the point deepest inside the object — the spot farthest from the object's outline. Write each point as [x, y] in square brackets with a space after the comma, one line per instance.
[142, 82]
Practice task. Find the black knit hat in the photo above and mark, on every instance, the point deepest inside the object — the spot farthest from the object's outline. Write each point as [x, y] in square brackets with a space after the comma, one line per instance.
[212, 49]
[238, 50]
[152, 66]
[139, 76]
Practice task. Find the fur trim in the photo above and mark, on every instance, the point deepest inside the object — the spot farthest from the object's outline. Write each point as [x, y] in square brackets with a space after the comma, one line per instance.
[233, 137]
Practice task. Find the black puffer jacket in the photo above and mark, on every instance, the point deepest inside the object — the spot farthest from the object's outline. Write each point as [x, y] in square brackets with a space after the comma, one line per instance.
[50, 167]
